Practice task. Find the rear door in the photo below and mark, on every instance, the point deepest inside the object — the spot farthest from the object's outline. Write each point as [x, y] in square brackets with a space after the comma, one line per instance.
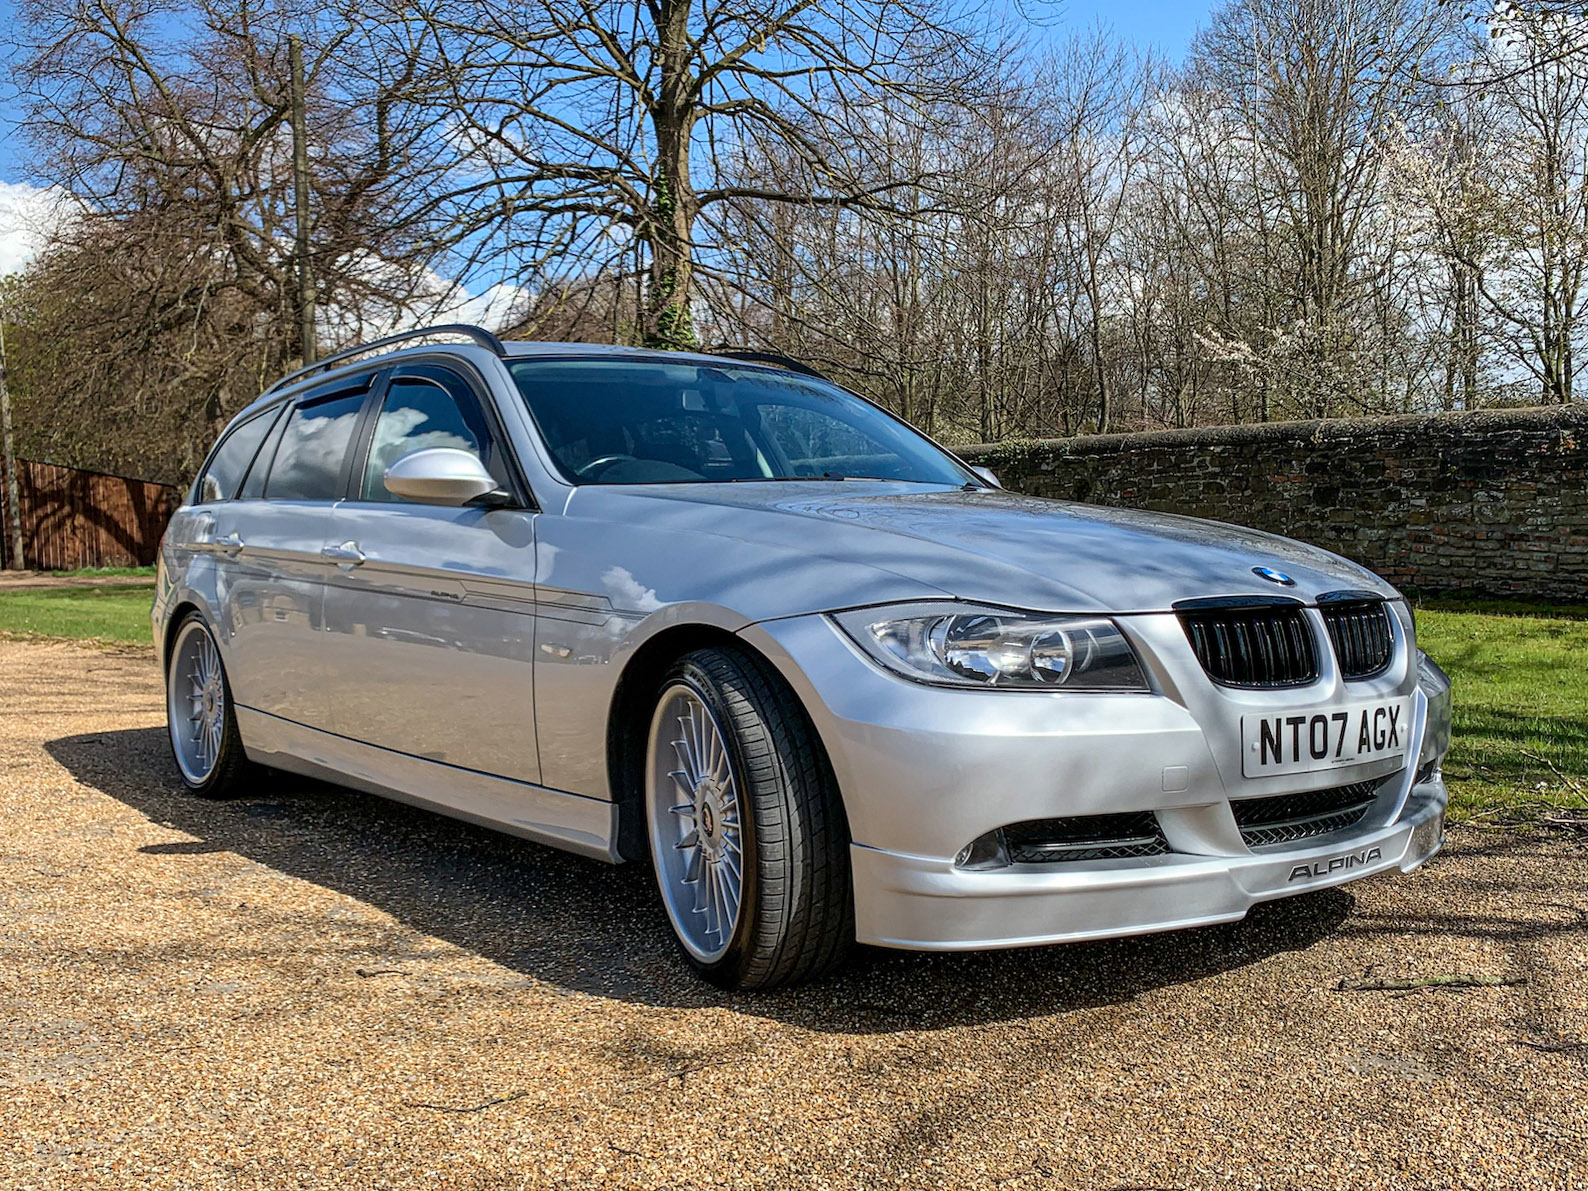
[273, 604]
[430, 609]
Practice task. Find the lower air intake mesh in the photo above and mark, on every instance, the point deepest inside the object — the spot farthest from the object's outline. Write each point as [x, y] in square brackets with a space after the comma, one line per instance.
[1290, 817]
[1085, 837]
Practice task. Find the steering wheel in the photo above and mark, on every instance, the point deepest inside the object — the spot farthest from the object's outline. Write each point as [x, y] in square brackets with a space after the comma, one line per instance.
[600, 463]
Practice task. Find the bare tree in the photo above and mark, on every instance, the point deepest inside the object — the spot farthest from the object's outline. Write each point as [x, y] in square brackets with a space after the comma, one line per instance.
[1313, 86]
[1502, 188]
[586, 128]
[168, 126]
[1539, 188]
[1334, 207]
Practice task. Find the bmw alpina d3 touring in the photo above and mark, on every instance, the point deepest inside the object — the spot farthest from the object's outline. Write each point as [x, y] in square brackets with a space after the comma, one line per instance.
[716, 613]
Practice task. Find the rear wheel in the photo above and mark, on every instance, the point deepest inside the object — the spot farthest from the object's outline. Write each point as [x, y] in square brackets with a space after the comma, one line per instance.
[747, 830]
[200, 717]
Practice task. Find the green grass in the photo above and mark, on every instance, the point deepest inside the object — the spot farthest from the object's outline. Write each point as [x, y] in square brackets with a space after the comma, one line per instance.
[1520, 684]
[105, 573]
[113, 612]
[1520, 672]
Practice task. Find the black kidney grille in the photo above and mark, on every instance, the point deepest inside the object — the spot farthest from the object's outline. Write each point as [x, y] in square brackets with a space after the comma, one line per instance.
[1290, 817]
[1085, 837]
[1360, 633]
[1268, 645]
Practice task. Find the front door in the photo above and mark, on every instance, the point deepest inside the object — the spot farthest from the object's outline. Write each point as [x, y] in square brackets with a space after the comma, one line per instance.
[430, 609]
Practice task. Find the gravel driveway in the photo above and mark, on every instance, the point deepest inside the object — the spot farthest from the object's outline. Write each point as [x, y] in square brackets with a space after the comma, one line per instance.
[322, 989]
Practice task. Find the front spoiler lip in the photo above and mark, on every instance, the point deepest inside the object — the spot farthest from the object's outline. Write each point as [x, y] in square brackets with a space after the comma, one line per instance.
[925, 904]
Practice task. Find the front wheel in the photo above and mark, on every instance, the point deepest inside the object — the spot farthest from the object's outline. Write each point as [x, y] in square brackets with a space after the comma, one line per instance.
[200, 717]
[747, 829]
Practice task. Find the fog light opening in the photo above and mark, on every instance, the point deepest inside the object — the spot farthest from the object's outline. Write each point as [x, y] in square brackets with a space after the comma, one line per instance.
[985, 851]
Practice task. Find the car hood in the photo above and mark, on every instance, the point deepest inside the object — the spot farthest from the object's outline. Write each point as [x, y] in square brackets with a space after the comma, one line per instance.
[991, 545]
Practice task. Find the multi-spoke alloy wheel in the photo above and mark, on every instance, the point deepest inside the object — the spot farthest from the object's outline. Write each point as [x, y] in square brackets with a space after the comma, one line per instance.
[199, 715]
[747, 831]
[696, 823]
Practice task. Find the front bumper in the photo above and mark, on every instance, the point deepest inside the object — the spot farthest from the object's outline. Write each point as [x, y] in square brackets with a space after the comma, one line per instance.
[926, 770]
[926, 904]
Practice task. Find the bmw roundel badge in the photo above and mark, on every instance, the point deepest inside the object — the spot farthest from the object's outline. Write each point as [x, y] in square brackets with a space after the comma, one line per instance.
[1274, 576]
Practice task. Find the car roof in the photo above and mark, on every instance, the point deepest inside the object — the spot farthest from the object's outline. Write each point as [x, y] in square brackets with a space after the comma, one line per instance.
[531, 347]
[512, 350]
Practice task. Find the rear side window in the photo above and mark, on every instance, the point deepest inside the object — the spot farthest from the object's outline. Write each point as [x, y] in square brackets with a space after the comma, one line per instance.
[231, 459]
[313, 450]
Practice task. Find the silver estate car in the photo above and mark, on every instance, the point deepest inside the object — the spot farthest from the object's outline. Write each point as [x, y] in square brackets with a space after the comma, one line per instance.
[715, 613]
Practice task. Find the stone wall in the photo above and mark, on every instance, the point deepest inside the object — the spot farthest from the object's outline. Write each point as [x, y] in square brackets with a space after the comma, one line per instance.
[1493, 502]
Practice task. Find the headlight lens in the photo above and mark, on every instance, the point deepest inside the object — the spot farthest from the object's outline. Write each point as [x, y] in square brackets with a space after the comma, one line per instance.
[1436, 685]
[973, 646]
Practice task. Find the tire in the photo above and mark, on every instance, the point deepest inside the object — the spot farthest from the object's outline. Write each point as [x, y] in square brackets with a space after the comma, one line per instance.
[201, 720]
[737, 785]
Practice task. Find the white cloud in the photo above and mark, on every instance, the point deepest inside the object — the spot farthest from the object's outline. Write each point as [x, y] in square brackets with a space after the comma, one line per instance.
[431, 298]
[627, 593]
[27, 215]
[451, 302]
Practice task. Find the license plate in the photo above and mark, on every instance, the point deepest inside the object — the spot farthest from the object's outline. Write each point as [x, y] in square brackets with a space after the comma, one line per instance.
[1308, 741]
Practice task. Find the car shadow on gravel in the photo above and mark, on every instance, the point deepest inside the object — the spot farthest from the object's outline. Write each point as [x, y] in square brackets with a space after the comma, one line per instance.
[593, 928]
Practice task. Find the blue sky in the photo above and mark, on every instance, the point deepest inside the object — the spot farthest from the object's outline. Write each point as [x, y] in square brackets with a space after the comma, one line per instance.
[1165, 25]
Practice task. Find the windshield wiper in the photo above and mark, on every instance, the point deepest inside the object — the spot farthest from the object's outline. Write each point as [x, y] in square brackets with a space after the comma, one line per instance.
[826, 476]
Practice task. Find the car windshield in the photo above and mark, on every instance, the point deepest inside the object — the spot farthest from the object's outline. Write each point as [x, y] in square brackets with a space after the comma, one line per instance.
[658, 422]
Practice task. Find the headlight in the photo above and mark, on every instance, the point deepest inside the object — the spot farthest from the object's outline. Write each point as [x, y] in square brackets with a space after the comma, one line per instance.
[1436, 685]
[969, 646]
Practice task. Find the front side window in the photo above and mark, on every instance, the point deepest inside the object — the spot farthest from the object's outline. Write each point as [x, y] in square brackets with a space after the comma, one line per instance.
[656, 422]
[416, 413]
[231, 459]
[309, 461]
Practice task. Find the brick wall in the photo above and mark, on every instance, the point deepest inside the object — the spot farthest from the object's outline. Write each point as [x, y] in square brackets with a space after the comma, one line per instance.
[1493, 502]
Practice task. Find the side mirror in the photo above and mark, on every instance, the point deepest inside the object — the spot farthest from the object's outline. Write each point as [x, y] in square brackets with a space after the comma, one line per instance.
[989, 475]
[442, 476]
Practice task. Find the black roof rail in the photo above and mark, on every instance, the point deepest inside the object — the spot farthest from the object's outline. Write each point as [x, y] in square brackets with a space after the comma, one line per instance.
[479, 334]
[750, 356]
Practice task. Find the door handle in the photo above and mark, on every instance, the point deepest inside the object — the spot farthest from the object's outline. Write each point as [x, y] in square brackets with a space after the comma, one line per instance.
[230, 545]
[346, 555]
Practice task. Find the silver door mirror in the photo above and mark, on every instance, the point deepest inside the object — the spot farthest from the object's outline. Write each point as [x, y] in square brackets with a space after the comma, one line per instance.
[440, 476]
[989, 475]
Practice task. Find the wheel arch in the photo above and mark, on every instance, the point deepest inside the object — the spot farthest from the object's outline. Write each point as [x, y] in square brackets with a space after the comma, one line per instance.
[629, 717]
[179, 613]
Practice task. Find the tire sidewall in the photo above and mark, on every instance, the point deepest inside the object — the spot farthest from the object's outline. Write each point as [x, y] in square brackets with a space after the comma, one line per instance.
[220, 772]
[725, 969]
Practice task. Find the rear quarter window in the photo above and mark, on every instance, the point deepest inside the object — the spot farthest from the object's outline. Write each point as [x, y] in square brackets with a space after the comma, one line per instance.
[232, 458]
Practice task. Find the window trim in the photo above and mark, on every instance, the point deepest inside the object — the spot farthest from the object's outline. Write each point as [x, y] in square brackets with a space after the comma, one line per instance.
[266, 453]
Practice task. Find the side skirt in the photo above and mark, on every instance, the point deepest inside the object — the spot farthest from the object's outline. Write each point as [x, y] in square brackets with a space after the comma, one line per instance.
[571, 822]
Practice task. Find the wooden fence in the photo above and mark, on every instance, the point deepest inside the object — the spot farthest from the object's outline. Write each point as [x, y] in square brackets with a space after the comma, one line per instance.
[73, 518]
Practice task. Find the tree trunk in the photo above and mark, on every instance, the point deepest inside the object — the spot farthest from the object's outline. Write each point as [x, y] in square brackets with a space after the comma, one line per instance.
[1099, 367]
[308, 345]
[13, 501]
[671, 218]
